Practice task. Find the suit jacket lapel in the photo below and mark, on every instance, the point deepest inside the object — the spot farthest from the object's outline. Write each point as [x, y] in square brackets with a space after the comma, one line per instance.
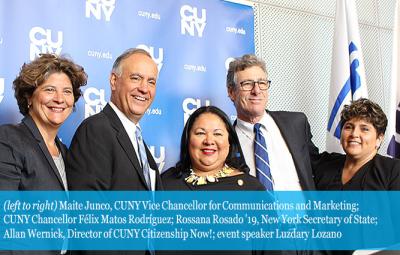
[124, 140]
[30, 124]
[246, 170]
[61, 147]
[153, 165]
[289, 135]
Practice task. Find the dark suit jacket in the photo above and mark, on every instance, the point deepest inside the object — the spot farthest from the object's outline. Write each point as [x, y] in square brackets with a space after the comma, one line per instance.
[26, 164]
[295, 130]
[102, 157]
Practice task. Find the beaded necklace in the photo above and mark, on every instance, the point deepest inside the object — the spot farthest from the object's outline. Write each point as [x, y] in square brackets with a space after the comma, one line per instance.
[195, 179]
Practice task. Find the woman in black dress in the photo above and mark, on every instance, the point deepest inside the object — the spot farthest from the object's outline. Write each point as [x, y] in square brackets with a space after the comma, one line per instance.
[363, 125]
[210, 156]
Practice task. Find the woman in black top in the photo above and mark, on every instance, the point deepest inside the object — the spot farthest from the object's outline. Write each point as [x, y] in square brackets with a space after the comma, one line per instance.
[363, 125]
[210, 156]
[210, 160]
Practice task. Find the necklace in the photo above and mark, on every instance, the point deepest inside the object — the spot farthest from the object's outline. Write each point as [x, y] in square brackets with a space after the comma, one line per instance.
[195, 179]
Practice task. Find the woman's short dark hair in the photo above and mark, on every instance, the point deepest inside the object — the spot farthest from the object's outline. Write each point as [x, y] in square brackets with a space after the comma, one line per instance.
[234, 159]
[35, 73]
[367, 110]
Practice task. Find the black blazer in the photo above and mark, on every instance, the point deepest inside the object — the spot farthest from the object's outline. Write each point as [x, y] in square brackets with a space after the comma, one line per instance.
[296, 132]
[102, 157]
[25, 162]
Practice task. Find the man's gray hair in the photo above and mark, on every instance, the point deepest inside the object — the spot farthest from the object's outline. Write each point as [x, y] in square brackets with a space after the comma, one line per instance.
[117, 63]
[242, 63]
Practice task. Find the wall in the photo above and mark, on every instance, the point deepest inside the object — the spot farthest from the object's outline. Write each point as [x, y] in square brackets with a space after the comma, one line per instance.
[295, 39]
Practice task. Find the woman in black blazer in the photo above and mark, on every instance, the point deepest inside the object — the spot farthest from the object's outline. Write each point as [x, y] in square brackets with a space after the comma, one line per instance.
[31, 155]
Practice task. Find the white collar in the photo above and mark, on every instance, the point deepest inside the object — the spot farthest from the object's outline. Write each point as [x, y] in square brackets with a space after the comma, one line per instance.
[249, 127]
[126, 122]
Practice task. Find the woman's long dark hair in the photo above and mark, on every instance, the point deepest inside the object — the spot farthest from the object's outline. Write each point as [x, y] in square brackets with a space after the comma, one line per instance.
[234, 159]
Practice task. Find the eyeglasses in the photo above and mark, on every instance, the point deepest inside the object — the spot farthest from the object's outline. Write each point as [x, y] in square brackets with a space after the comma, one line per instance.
[248, 85]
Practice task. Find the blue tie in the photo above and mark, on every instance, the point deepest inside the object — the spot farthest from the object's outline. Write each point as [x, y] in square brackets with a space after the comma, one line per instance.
[146, 173]
[143, 157]
[263, 170]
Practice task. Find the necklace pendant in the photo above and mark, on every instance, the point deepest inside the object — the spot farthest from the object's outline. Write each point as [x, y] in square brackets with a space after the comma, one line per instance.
[211, 179]
[190, 179]
[201, 180]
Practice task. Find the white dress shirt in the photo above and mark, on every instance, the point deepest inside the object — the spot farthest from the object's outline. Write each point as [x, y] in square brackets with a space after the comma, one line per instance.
[130, 128]
[283, 170]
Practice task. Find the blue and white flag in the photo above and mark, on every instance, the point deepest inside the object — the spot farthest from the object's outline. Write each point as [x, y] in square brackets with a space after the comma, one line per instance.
[393, 131]
[347, 72]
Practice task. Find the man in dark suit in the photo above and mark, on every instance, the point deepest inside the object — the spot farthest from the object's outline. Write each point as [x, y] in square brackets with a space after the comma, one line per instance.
[287, 134]
[107, 152]
[104, 152]
[276, 145]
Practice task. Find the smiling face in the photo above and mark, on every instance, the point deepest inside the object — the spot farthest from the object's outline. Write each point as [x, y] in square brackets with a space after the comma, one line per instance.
[51, 102]
[250, 105]
[134, 89]
[208, 144]
[359, 139]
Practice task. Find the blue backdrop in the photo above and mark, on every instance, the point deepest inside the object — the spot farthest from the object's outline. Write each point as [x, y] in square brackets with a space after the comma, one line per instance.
[192, 42]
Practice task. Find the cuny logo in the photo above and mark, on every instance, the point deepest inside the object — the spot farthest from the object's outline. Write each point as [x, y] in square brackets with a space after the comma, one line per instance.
[94, 101]
[97, 7]
[190, 20]
[190, 105]
[1, 89]
[160, 160]
[150, 49]
[42, 42]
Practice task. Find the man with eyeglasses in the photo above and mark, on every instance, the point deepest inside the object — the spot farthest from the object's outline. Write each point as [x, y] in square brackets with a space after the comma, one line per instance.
[276, 145]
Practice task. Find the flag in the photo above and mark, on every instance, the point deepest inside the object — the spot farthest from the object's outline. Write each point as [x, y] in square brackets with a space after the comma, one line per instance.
[347, 71]
[393, 131]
